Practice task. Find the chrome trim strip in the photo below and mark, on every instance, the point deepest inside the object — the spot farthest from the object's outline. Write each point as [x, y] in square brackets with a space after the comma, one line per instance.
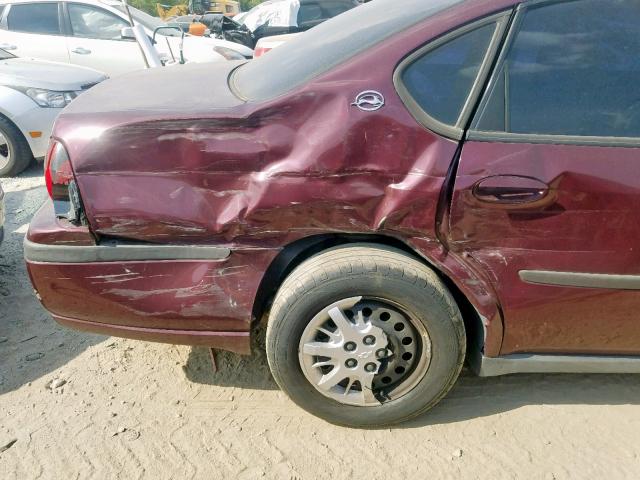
[115, 251]
[581, 280]
[534, 363]
[507, 137]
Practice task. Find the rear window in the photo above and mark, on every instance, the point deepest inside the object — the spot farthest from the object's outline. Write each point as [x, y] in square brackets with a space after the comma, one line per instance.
[34, 18]
[330, 44]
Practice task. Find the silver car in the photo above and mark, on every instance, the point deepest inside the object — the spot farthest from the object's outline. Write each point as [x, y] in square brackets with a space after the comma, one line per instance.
[32, 94]
[1, 214]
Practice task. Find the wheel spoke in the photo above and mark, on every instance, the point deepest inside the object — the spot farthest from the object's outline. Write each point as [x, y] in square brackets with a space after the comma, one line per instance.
[329, 333]
[352, 380]
[327, 363]
[330, 379]
[367, 395]
[320, 349]
[341, 321]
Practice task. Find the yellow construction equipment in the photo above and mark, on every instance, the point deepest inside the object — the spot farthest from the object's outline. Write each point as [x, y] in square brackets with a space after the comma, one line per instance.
[199, 7]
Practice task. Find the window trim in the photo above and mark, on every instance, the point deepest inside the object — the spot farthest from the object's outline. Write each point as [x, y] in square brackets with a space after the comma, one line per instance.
[7, 12]
[456, 131]
[535, 138]
[69, 26]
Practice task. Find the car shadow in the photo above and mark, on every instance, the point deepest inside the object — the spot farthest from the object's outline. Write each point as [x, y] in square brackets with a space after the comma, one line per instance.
[31, 344]
[474, 397]
[471, 396]
[234, 370]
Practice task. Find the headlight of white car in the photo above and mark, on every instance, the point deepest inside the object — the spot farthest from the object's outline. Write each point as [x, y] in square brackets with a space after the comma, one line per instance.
[50, 98]
[228, 53]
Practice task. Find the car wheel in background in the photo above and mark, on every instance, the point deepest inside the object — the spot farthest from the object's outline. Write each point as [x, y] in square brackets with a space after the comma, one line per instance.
[365, 336]
[15, 154]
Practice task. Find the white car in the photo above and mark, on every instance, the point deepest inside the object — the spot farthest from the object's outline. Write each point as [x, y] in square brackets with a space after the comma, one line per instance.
[266, 44]
[32, 94]
[89, 33]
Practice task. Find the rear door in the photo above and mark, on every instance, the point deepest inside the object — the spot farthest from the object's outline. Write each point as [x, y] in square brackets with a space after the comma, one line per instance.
[34, 30]
[95, 40]
[547, 194]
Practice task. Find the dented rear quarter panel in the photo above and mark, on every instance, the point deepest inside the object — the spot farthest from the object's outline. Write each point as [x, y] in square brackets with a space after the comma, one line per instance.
[259, 175]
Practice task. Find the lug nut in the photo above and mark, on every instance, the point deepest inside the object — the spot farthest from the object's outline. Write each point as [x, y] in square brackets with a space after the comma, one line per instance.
[350, 346]
[369, 340]
[370, 367]
[351, 363]
[382, 353]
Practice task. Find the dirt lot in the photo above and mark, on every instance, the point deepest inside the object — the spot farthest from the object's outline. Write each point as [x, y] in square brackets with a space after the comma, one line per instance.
[74, 405]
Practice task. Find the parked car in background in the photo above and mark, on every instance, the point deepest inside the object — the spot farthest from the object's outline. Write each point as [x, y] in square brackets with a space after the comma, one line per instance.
[266, 44]
[88, 33]
[32, 94]
[277, 17]
[1, 214]
[238, 18]
[423, 182]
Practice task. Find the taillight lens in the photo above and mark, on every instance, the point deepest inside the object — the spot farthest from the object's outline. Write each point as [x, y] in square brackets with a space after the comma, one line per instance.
[57, 172]
[260, 51]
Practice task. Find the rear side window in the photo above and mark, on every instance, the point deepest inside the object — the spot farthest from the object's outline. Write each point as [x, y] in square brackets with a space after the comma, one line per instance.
[34, 18]
[573, 69]
[312, 13]
[441, 80]
[92, 22]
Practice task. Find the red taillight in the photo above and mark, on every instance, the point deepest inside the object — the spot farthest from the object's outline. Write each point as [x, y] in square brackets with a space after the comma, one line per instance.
[57, 171]
[259, 51]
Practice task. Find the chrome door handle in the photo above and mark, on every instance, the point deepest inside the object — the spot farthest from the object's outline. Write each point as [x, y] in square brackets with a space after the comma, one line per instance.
[81, 51]
[510, 190]
[6, 46]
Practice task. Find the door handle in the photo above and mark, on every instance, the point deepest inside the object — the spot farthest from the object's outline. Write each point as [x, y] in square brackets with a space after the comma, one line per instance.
[7, 46]
[81, 51]
[511, 190]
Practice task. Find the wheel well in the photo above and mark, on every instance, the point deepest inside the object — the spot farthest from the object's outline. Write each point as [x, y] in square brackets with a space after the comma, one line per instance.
[4, 117]
[297, 252]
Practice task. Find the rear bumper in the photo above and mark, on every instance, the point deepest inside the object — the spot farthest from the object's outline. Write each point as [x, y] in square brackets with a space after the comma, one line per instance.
[237, 342]
[180, 294]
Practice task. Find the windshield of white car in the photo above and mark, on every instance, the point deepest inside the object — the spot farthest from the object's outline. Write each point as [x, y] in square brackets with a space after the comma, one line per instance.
[331, 43]
[4, 55]
[149, 21]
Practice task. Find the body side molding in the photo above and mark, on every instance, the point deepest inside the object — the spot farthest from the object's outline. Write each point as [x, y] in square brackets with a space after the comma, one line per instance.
[119, 252]
[542, 363]
[582, 280]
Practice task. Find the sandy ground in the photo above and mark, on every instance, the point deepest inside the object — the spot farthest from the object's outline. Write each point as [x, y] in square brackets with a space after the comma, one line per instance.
[74, 405]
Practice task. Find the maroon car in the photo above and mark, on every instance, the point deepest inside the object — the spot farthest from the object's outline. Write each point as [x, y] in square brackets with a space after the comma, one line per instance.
[405, 186]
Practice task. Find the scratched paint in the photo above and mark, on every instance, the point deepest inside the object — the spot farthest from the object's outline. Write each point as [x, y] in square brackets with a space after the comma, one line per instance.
[254, 177]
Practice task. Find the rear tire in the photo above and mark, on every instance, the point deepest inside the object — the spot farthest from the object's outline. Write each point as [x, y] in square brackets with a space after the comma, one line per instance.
[381, 277]
[15, 153]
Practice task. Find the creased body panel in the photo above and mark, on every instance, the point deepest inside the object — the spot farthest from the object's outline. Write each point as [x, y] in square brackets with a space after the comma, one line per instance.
[260, 175]
[589, 222]
[267, 177]
[305, 162]
[163, 300]
[180, 295]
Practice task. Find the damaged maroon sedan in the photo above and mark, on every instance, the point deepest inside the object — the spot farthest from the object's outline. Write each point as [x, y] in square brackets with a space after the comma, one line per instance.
[405, 186]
